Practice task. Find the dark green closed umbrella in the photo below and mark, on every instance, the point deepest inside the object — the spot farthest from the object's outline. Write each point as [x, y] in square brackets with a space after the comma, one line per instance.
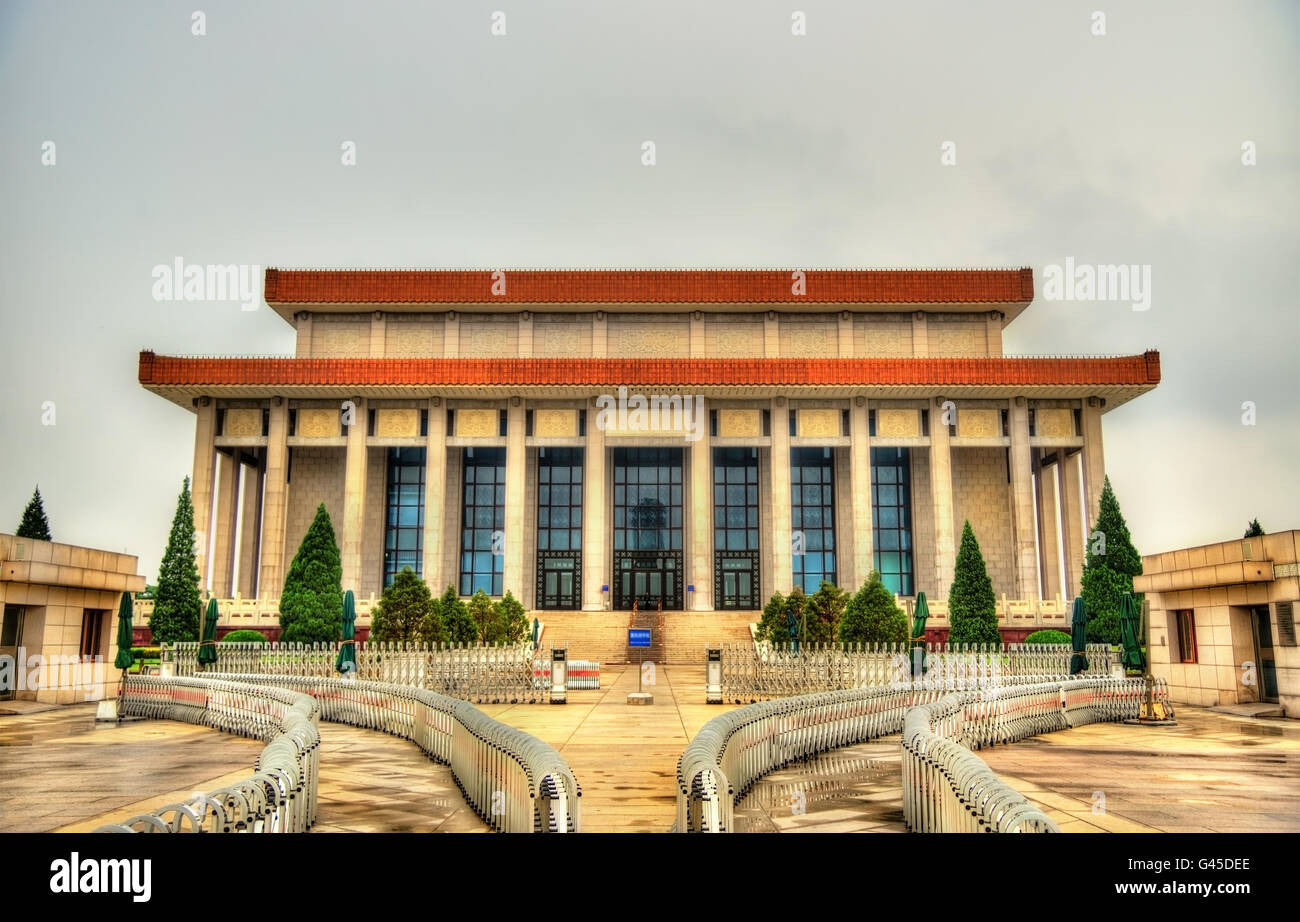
[919, 617]
[537, 629]
[208, 643]
[347, 661]
[1078, 638]
[1128, 633]
[124, 659]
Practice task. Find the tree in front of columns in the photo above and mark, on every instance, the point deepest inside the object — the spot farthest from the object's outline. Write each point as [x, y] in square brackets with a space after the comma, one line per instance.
[460, 627]
[1109, 566]
[972, 607]
[311, 603]
[177, 605]
[403, 611]
[1254, 530]
[774, 627]
[825, 609]
[872, 615]
[486, 618]
[514, 620]
[34, 524]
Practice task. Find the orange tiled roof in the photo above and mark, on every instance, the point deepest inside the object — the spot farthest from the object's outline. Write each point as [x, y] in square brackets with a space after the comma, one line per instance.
[680, 286]
[165, 371]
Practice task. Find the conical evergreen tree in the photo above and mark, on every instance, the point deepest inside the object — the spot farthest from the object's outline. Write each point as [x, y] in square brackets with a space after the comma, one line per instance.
[176, 602]
[972, 607]
[402, 612]
[311, 603]
[872, 615]
[460, 627]
[34, 523]
[1109, 566]
[1254, 530]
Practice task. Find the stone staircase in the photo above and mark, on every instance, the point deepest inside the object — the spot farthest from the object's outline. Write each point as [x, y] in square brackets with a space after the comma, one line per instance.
[677, 637]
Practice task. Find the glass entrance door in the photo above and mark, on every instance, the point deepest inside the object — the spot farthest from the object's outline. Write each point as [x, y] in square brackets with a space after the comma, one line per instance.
[650, 580]
[1267, 672]
[735, 582]
[558, 580]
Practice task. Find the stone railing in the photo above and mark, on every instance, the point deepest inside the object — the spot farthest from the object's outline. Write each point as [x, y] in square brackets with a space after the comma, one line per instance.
[487, 675]
[238, 613]
[514, 781]
[735, 749]
[947, 788]
[755, 672]
[281, 794]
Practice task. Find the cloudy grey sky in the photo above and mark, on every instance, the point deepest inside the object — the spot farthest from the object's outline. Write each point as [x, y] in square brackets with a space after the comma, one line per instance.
[773, 150]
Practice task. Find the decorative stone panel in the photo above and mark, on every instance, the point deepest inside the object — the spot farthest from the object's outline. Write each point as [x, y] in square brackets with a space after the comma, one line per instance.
[488, 339]
[397, 423]
[740, 423]
[898, 423]
[1054, 423]
[555, 423]
[478, 423]
[819, 423]
[640, 340]
[318, 423]
[979, 424]
[242, 423]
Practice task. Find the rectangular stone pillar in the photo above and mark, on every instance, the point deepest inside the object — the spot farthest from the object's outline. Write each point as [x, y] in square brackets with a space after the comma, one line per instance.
[945, 543]
[1071, 522]
[772, 350]
[860, 484]
[302, 323]
[516, 475]
[250, 530]
[1049, 543]
[201, 485]
[782, 564]
[352, 529]
[1023, 532]
[1094, 463]
[435, 496]
[921, 341]
[378, 342]
[275, 501]
[700, 570]
[845, 329]
[223, 548]
[595, 568]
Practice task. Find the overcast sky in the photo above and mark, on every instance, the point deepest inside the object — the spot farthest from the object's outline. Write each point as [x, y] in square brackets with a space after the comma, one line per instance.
[772, 150]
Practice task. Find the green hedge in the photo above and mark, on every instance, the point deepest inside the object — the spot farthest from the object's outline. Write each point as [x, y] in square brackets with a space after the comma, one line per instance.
[244, 636]
[1048, 636]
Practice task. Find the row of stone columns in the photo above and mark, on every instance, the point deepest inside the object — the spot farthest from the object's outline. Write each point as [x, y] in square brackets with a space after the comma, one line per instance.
[1038, 494]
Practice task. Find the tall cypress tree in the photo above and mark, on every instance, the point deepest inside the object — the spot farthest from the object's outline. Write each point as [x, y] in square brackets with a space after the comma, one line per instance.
[176, 601]
[1109, 566]
[972, 607]
[34, 523]
[311, 603]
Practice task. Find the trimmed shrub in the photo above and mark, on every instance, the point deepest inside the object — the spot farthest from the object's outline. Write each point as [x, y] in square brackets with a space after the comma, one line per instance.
[514, 620]
[1048, 636]
[245, 636]
[459, 626]
[824, 611]
[872, 615]
[404, 611]
[1108, 570]
[176, 603]
[311, 603]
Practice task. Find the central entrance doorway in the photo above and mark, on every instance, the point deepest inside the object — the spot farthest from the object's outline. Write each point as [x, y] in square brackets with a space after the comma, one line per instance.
[648, 528]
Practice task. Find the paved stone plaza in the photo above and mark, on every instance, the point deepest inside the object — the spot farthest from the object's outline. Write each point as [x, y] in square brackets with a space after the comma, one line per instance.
[1211, 773]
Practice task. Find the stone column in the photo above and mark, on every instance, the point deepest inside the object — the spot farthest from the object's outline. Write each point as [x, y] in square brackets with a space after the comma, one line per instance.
[1071, 521]
[845, 330]
[782, 564]
[1025, 545]
[354, 497]
[860, 484]
[303, 327]
[201, 484]
[516, 474]
[1048, 539]
[250, 530]
[595, 568]
[451, 336]
[223, 549]
[1094, 463]
[525, 349]
[599, 336]
[435, 495]
[378, 341]
[700, 572]
[945, 545]
[772, 350]
[275, 502]
[920, 339]
[993, 331]
[698, 348]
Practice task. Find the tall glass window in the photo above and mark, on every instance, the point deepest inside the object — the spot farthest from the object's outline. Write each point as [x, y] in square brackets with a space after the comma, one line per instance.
[812, 516]
[482, 563]
[559, 499]
[647, 499]
[891, 518]
[404, 526]
[735, 499]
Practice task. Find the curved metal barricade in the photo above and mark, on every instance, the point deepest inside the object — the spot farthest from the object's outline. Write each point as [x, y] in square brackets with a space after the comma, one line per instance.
[279, 797]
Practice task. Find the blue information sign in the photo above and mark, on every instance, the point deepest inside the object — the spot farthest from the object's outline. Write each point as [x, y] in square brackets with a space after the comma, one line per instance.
[637, 637]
